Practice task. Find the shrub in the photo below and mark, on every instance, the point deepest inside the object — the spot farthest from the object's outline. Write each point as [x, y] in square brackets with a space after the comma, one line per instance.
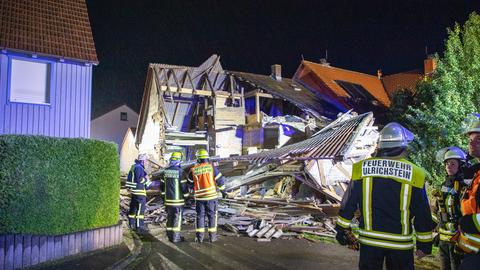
[57, 185]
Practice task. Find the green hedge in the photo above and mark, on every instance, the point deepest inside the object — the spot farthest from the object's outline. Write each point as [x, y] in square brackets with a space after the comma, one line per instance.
[57, 185]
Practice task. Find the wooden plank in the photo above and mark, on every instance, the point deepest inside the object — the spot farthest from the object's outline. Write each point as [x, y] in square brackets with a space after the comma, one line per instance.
[102, 237]
[65, 245]
[35, 253]
[57, 253]
[84, 245]
[42, 249]
[116, 236]
[254, 93]
[96, 239]
[27, 250]
[90, 240]
[78, 243]
[50, 248]
[18, 257]
[2, 251]
[107, 237]
[71, 244]
[9, 251]
[120, 233]
[174, 89]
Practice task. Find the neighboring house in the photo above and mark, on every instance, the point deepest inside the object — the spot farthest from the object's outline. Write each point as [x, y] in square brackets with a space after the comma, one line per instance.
[344, 89]
[113, 125]
[128, 151]
[47, 53]
[360, 92]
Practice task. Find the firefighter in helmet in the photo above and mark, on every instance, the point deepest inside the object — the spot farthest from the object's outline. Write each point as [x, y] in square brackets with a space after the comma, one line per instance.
[138, 183]
[173, 184]
[469, 224]
[205, 180]
[447, 206]
[390, 194]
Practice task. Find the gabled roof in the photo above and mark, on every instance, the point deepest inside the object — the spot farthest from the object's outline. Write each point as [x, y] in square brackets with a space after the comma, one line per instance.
[404, 80]
[285, 88]
[332, 77]
[59, 28]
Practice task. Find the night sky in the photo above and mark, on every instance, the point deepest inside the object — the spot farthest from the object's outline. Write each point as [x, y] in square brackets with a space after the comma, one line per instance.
[252, 35]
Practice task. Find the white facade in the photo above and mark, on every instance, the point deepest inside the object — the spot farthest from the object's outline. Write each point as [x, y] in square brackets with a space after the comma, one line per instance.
[113, 125]
[128, 151]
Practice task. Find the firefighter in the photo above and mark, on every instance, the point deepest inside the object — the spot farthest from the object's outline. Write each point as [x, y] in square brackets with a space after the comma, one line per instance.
[389, 192]
[206, 181]
[469, 223]
[448, 204]
[173, 185]
[138, 182]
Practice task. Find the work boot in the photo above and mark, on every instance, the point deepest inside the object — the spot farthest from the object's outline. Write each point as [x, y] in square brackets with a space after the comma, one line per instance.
[177, 238]
[213, 237]
[199, 237]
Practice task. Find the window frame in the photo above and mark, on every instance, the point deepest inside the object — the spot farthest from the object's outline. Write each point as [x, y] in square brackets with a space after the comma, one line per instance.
[126, 116]
[34, 60]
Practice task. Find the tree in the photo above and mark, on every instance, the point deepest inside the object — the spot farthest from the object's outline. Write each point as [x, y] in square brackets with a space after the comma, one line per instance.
[440, 104]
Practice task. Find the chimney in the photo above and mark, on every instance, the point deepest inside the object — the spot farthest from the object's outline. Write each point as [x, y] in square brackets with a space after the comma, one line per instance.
[429, 65]
[323, 62]
[276, 72]
[379, 73]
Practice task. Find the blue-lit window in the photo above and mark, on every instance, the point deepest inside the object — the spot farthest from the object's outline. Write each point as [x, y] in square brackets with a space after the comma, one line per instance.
[29, 80]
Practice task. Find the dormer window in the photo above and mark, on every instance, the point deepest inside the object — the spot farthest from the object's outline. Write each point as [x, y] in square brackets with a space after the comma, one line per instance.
[30, 80]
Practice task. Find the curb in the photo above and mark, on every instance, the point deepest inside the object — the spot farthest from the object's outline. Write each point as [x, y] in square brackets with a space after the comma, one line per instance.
[133, 254]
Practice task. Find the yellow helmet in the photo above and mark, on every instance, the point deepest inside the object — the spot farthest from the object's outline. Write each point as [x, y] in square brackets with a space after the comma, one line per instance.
[176, 156]
[202, 154]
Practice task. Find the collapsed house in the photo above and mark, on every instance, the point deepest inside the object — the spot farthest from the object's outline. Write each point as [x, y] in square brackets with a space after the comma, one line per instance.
[284, 150]
[228, 113]
[322, 163]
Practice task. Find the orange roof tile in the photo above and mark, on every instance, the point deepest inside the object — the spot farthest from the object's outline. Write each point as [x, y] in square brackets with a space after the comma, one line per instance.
[330, 74]
[51, 27]
[405, 80]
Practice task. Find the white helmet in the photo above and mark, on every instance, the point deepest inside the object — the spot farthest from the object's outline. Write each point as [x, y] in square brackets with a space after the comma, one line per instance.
[471, 123]
[142, 157]
[394, 135]
[450, 152]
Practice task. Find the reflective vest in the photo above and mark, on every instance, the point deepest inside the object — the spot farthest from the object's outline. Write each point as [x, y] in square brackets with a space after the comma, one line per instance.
[389, 193]
[448, 212]
[204, 182]
[174, 188]
[470, 243]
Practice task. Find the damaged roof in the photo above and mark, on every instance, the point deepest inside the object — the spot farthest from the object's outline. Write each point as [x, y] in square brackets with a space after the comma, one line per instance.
[192, 77]
[332, 142]
[285, 88]
[58, 28]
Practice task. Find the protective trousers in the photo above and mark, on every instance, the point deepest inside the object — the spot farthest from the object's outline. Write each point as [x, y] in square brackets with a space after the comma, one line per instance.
[449, 259]
[208, 209]
[174, 222]
[137, 211]
[372, 258]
